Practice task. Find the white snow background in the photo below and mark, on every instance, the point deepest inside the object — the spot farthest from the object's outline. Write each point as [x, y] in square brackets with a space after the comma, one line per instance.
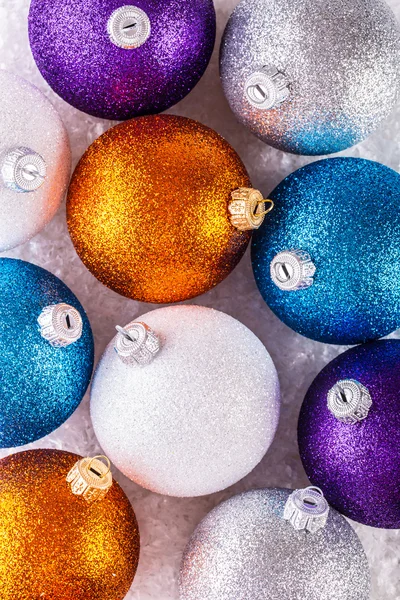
[166, 523]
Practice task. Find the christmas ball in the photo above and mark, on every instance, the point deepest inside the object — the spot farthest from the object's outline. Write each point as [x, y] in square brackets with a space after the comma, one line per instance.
[53, 543]
[349, 433]
[148, 209]
[325, 260]
[247, 547]
[46, 352]
[185, 401]
[35, 161]
[311, 77]
[115, 60]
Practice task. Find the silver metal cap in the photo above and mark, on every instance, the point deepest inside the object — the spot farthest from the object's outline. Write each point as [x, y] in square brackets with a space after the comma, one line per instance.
[267, 88]
[23, 170]
[136, 343]
[60, 324]
[292, 270]
[349, 401]
[129, 27]
[307, 509]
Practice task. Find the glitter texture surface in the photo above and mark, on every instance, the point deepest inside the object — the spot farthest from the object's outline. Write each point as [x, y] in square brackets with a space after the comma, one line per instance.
[166, 523]
[54, 545]
[197, 419]
[73, 51]
[345, 213]
[341, 58]
[245, 549]
[41, 386]
[148, 209]
[357, 466]
[29, 120]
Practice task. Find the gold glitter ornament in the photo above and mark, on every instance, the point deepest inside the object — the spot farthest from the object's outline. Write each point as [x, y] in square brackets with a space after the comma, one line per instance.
[148, 209]
[55, 545]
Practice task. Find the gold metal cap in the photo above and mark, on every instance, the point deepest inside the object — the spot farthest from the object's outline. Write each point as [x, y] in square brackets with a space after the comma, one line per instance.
[247, 209]
[91, 478]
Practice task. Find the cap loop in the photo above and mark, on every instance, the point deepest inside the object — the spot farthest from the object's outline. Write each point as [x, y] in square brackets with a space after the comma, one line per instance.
[247, 209]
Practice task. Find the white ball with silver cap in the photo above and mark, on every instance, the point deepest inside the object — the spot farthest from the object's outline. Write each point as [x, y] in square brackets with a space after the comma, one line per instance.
[292, 270]
[136, 343]
[174, 424]
[307, 509]
[267, 88]
[60, 324]
[349, 401]
[35, 161]
[129, 27]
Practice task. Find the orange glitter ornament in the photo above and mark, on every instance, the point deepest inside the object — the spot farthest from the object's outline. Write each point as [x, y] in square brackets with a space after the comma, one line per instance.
[148, 210]
[55, 545]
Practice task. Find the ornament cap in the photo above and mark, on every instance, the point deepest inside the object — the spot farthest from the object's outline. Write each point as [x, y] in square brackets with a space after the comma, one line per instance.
[60, 324]
[136, 343]
[23, 170]
[349, 401]
[267, 88]
[247, 209]
[307, 509]
[129, 27]
[292, 270]
[91, 478]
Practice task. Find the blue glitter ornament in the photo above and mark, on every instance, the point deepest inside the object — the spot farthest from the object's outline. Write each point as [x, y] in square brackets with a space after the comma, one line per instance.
[45, 365]
[327, 259]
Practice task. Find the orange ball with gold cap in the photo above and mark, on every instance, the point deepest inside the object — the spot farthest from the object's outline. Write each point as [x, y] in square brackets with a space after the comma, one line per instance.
[67, 530]
[160, 209]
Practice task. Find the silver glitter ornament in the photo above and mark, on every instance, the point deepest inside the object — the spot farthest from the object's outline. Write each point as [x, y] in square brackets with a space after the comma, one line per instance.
[35, 161]
[200, 416]
[244, 549]
[311, 76]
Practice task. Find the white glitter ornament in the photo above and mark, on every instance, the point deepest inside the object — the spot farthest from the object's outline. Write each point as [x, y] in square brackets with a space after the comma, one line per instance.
[199, 416]
[245, 549]
[311, 76]
[35, 161]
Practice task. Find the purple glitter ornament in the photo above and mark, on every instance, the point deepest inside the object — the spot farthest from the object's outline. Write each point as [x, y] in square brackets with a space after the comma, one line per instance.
[349, 433]
[119, 61]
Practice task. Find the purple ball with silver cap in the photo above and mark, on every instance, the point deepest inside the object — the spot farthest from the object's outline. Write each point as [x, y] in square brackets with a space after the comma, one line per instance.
[349, 433]
[116, 60]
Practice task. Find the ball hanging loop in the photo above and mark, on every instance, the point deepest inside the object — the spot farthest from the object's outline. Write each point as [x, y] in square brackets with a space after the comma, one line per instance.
[267, 88]
[60, 324]
[349, 401]
[307, 509]
[129, 27]
[23, 170]
[137, 343]
[292, 270]
[91, 478]
[247, 209]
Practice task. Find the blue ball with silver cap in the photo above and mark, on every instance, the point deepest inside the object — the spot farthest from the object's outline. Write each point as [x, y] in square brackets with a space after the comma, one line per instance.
[327, 258]
[46, 352]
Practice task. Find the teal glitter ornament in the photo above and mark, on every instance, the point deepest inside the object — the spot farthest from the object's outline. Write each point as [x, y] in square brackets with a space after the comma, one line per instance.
[46, 352]
[327, 259]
